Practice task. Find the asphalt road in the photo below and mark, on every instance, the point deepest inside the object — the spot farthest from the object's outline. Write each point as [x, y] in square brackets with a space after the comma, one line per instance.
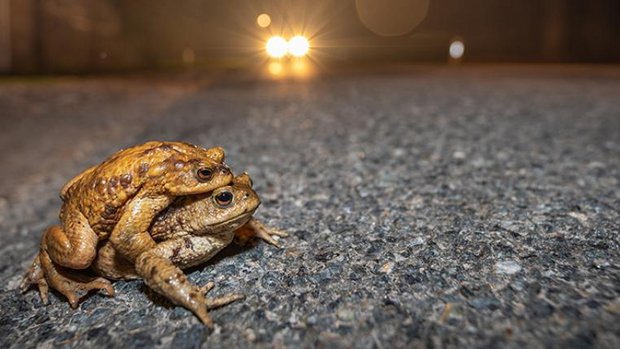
[427, 206]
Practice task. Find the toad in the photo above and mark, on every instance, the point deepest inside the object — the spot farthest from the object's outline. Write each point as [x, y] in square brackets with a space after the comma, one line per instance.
[190, 232]
[116, 202]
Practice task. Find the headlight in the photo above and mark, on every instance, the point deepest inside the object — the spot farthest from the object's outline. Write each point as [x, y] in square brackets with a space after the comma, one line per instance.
[276, 47]
[298, 46]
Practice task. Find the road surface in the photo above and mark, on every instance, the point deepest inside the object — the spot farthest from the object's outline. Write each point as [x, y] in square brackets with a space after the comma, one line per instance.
[427, 206]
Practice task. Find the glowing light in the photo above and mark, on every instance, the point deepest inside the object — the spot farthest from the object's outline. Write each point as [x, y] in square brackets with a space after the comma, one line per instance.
[299, 66]
[263, 20]
[276, 47]
[298, 46]
[457, 49]
[275, 68]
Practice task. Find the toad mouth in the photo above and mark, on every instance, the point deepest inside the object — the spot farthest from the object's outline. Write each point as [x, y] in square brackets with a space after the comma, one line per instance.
[242, 217]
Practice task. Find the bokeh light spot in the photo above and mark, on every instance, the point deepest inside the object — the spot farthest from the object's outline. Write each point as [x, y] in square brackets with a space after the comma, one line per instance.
[457, 49]
[263, 20]
[275, 68]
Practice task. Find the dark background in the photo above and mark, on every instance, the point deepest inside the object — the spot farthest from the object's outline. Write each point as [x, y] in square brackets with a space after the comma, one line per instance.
[45, 36]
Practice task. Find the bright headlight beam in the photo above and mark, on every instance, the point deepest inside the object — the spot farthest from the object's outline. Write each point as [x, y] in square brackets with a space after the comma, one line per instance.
[298, 46]
[276, 47]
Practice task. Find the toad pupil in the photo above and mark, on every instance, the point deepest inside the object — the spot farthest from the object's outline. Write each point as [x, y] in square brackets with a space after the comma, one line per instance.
[205, 173]
[224, 198]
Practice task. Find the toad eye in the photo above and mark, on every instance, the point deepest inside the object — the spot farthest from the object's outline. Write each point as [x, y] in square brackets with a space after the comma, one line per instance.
[224, 198]
[204, 174]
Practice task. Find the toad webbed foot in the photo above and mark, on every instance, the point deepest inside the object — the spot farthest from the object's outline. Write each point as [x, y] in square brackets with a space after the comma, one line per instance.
[72, 284]
[255, 228]
[167, 279]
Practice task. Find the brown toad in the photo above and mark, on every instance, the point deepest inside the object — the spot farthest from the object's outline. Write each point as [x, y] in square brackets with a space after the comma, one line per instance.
[117, 201]
[190, 232]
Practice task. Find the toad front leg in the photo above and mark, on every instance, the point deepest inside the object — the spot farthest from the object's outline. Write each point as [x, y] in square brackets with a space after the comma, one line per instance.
[255, 228]
[130, 236]
[157, 268]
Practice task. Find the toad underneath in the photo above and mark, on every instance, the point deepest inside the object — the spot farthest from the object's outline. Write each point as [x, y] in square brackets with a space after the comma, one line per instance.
[190, 232]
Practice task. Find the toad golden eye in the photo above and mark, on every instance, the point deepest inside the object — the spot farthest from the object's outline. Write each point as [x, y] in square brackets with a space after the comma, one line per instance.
[204, 174]
[224, 198]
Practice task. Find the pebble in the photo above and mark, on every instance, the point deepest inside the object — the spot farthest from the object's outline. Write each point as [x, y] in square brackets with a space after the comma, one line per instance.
[507, 267]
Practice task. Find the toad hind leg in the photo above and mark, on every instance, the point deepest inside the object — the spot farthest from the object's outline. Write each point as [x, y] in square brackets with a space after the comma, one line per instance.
[167, 279]
[74, 245]
[35, 276]
[69, 285]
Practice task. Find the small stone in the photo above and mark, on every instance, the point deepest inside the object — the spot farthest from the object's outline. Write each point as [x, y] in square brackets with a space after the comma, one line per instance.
[517, 286]
[485, 303]
[345, 314]
[417, 241]
[601, 264]
[582, 218]
[458, 155]
[387, 267]
[250, 335]
[417, 202]
[507, 267]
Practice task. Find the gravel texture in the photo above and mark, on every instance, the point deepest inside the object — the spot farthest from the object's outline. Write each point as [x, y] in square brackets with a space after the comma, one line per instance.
[428, 207]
